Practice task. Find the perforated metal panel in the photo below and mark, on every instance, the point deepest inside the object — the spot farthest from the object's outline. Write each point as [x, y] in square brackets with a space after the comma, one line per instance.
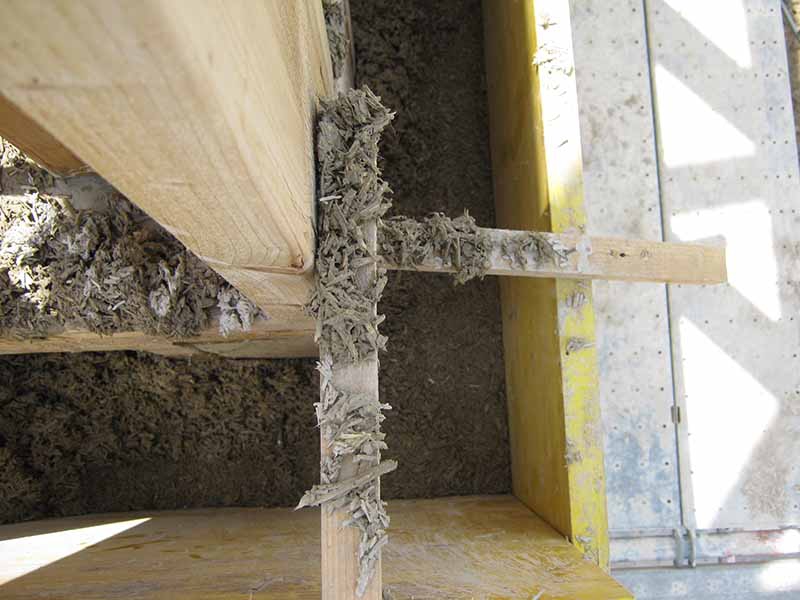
[622, 199]
[686, 120]
[742, 582]
[729, 171]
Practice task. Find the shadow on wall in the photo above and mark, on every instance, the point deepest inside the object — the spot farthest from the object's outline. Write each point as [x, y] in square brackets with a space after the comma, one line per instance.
[735, 347]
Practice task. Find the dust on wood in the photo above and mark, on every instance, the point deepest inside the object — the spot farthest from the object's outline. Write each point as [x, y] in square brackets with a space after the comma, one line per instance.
[531, 248]
[458, 243]
[349, 284]
[105, 271]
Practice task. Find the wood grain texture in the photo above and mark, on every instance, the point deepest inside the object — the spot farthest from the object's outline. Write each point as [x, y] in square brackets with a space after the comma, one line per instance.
[36, 142]
[202, 114]
[266, 339]
[270, 344]
[548, 324]
[340, 564]
[603, 258]
[442, 549]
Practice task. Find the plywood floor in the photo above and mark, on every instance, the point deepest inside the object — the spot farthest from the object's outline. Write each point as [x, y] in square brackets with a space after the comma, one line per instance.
[465, 547]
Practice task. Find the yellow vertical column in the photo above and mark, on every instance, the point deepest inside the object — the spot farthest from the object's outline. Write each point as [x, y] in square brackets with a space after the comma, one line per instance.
[548, 325]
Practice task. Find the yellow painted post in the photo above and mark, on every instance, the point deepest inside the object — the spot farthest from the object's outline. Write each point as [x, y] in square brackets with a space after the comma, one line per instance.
[548, 325]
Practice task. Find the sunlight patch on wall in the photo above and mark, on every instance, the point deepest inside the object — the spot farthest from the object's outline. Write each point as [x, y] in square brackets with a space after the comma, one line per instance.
[781, 575]
[752, 264]
[728, 411]
[691, 131]
[726, 30]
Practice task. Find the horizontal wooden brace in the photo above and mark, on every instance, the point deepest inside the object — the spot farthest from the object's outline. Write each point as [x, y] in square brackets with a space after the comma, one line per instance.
[577, 256]
[286, 334]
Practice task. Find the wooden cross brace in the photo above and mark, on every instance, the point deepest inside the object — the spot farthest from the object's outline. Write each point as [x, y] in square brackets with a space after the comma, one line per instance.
[613, 259]
[585, 257]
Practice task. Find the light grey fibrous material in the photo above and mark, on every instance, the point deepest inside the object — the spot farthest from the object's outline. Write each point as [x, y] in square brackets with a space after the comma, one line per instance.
[531, 248]
[349, 284]
[104, 270]
[457, 243]
[236, 311]
[352, 196]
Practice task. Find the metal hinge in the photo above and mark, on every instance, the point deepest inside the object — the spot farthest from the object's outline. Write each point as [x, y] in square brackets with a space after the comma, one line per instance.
[675, 413]
[681, 551]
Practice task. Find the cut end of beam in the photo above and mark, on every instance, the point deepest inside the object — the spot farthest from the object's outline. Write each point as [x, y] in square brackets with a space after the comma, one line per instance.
[37, 142]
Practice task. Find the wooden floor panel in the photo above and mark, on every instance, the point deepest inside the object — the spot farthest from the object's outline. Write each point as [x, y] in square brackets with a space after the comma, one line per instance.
[467, 547]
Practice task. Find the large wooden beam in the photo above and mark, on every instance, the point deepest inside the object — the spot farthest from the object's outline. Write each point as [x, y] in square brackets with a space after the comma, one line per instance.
[200, 113]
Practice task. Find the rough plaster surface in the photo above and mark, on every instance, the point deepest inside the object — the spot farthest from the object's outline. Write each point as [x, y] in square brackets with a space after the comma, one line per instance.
[443, 372]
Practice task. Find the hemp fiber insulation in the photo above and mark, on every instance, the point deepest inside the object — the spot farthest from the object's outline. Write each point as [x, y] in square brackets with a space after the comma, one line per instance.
[103, 270]
[353, 198]
[335, 25]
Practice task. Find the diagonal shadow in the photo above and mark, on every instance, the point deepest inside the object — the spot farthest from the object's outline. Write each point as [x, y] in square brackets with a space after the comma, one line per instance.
[693, 47]
[723, 100]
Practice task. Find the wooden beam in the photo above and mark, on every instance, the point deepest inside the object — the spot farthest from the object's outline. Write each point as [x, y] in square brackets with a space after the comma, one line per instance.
[349, 411]
[340, 565]
[340, 562]
[200, 113]
[583, 257]
[340, 544]
[266, 339]
[469, 547]
[27, 135]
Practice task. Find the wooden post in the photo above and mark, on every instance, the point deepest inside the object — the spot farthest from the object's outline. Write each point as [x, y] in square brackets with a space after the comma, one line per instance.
[349, 412]
[200, 113]
[340, 564]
